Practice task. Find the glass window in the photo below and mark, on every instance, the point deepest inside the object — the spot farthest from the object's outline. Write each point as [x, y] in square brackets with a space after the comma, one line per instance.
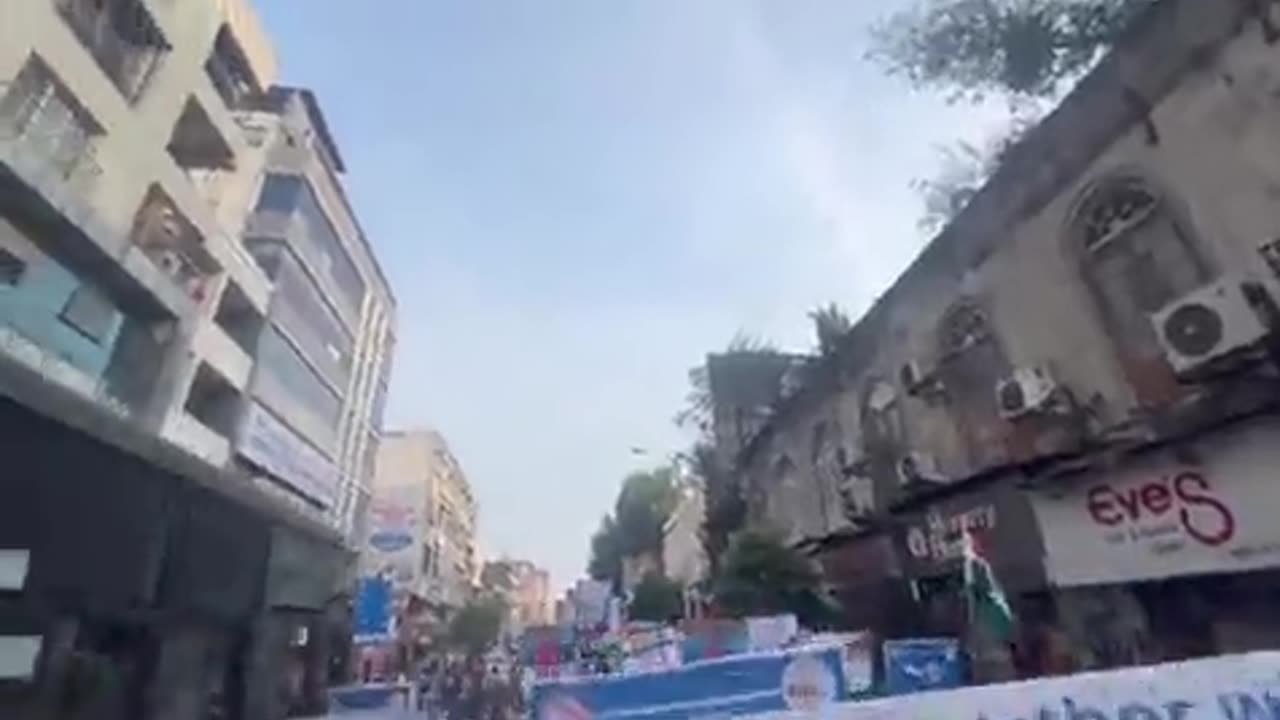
[299, 307]
[1137, 257]
[12, 268]
[90, 313]
[287, 367]
[279, 193]
[332, 256]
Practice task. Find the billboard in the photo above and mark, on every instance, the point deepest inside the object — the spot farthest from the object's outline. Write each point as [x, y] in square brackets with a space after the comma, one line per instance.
[394, 544]
[373, 611]
[272, 446]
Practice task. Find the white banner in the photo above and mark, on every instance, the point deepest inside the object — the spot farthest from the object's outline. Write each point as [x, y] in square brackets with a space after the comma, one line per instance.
[1233, 687]
[1160, 518]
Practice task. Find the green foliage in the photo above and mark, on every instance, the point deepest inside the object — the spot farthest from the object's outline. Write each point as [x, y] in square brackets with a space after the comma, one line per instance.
[830, 324]
[972, 48]
[644, 503]
[699, 404]
[967, 166]
[761, 575]
[726, 510]
[656, 598]
[476, 626]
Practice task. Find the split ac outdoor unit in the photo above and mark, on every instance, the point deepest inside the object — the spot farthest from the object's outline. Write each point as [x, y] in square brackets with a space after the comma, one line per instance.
[1210, 323]
[916, 468]
[1027, 389]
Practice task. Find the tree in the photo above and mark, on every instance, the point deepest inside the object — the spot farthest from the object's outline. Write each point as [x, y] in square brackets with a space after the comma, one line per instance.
[1026, 48]
[830, 325]
[606, 554]
[761, 575]
[699, 405]
[640, 511]
[967, 166]
[656, 598]
[476, 626]
[726, 509]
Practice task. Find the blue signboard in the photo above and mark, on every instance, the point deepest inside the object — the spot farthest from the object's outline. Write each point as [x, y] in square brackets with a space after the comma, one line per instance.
[921, 664]
[373, 610]
[805, 679]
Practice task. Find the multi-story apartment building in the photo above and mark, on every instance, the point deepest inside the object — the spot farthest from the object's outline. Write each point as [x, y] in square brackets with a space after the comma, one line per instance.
[525, 587]
[323, 357]
[421, 478]
[1080, 372]
[145, 350]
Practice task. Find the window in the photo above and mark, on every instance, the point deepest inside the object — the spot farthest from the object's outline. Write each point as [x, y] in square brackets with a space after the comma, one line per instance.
[287, 367]
[1137, 257]
[39, 110]
[12, 268]
[123, 38]
[279, 193]
[90, 314]
[972, 365]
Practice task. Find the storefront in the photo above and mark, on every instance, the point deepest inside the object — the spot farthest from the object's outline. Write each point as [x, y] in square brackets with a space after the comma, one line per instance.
[1173, 554]
[930, 542]
[865, 577]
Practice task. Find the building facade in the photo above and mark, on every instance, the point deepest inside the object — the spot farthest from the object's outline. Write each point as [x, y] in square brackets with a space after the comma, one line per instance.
[421, 491]
[311, 425]
[1080, 369]
[135, 344]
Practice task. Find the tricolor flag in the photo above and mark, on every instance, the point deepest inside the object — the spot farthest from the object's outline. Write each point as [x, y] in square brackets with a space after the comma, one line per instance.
[987, 601]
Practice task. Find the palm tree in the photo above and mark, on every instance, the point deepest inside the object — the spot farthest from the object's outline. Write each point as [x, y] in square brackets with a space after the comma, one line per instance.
[830, 324]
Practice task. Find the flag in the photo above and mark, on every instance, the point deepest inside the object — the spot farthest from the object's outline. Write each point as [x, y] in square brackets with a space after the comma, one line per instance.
[987, 601]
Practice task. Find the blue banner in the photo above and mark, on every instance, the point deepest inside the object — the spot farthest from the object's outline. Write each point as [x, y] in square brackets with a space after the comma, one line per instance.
[801, 679]
[373, 611]
[921, 664]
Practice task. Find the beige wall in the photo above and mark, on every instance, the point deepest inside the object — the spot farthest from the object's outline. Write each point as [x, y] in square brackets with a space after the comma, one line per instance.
[1215, 161]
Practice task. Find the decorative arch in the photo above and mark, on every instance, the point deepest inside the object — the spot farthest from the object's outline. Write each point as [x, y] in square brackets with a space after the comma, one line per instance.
[1136, 250]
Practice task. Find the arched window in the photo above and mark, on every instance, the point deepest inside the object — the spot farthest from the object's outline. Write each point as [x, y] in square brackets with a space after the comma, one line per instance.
[972, 363]
[1136, 255]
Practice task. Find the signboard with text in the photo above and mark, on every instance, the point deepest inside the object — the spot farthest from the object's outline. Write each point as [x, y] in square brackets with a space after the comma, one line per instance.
[1160, 517]
[271, 445]
[1230, 687]
[931, 542]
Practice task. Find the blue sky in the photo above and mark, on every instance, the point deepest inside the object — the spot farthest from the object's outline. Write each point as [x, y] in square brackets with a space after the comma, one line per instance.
[575, 200]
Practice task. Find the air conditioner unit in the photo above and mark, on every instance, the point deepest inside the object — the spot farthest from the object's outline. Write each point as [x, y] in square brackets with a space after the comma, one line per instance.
[917, 468]
[1027, 389]
[1211, 322]
[912, 375]
[857, 496]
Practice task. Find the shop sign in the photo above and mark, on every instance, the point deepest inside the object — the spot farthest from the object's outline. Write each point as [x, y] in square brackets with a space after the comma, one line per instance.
[1162, 518]
[270, 444]
[932, 541]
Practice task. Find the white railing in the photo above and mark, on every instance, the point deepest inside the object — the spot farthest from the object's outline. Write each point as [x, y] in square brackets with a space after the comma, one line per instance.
[193, 436]
[216, 347]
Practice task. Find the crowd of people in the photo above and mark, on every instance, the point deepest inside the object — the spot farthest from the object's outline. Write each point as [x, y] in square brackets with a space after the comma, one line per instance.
[470, 690]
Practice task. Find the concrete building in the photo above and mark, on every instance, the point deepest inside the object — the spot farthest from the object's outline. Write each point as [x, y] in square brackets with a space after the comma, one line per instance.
[323, 357]
[525, 587]
[139, 343]
[419, 478]
[1080, 369]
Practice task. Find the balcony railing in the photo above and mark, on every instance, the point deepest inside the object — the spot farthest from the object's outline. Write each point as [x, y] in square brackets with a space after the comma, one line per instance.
[190, 434]
[44, 140]
[54, 369]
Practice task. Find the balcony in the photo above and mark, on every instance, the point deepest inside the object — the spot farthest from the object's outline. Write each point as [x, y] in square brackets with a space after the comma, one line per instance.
[174, 245]
[122, 37]
[47, 139]
[214, 346]
[58, 371]
[189, 434]
[231, 72]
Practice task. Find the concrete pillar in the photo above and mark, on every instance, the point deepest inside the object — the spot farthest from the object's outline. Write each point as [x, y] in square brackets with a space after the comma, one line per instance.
[265, 663]
[179, 689]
